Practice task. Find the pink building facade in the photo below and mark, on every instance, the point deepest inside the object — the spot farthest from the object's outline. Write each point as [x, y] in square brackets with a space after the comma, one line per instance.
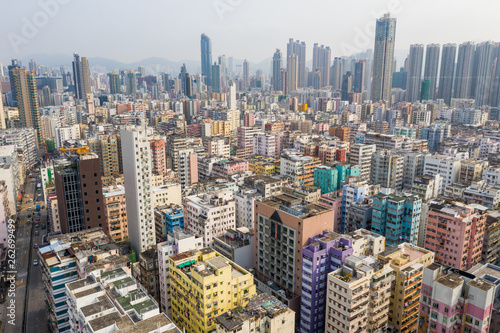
[227, 168]
[453, 301]
[455, 233]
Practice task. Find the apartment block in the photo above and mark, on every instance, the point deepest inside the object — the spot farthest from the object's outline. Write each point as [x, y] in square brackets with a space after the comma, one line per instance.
[359, 295]
[283, 225]
[299, 168]
[360, 155]
[237, 245]
[453, 300]
[177, 242]
[408, 262]
[216, 146]
[326, 253]
[210, 214]
[447, 167]
[205, 285]
[263, 313]
[115, 208]
[166, 219]
[397, 218]
[455, 233]
[387, 169]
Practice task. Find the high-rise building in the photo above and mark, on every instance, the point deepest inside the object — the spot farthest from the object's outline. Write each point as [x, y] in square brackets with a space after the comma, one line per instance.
[484, 72]
[359, 77]
[27, 100]
[216, 78]
[206, 58]
[223, 70]
[158, 155]
[326, 253]
[246, 74]
[397, 218]
[387, 169]
[364, 283]
[298, 63]
[79, 193]
[245, 140]
[337, 73]
[361, 156]
[221, 286]
[115, 208]
[277, 66]
[283, 225]
[138, 174]
[383, 59]
[292, 72]
[454, 294]
[446, 72]
[322, 57]
[2, 113]
[210, 214]
[432, 67]
[415, 58]
[455, 233]
[463, 75]
[108, 148]
[11, 67]
[407, 262]
[81, 76]
[114, 83]
[131, 83]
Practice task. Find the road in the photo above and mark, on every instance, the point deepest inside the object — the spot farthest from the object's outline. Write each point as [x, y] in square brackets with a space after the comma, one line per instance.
[27, 274]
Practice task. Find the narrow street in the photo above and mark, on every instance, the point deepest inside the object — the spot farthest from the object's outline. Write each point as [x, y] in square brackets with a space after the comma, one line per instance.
[28, 274]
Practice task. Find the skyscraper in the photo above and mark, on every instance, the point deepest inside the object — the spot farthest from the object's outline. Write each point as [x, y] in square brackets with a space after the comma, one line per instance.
[337, 72]
[2, 114]
[463, 75]
[216, 78]
[131, 83]
[322, 57]
[277, 65]
[206, 58]
[246, 74]
[32, 66]
[27, 100]
[415, 72]
[292, 69]
[81, 76]
[223, 71]
[431, 67]
[446, 72]
[299, 49]
[359, 77]
[383, 59]
[14, 65]
[114, 83]
[484, 67]
[137, 171]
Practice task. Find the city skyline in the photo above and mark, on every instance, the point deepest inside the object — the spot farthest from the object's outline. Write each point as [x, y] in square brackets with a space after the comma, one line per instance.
[230, 30]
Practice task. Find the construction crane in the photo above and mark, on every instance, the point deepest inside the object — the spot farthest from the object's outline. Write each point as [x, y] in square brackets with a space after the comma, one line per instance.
[79, 150]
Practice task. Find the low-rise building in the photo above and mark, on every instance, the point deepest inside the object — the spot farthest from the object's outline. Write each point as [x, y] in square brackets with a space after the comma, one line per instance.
[264, 313]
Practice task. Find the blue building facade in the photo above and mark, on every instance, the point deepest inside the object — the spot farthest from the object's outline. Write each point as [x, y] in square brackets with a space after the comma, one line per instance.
[397, 218]
[325, 178]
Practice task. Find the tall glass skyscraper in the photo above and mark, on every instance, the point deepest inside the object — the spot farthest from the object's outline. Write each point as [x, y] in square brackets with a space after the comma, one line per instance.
[206, 58]
[463, 75]
[383, 59]
[81, 75]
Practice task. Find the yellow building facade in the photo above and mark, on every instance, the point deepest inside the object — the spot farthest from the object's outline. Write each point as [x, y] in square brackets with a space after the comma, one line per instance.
[205, 285]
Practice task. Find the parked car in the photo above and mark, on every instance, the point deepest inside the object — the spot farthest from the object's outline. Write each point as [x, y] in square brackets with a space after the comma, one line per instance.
[43, 226]
[36, 246]
[37, 225]
[35, 262]
[36, 232]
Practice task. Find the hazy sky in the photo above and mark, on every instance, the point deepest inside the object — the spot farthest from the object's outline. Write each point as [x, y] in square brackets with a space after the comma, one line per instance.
[129, 31]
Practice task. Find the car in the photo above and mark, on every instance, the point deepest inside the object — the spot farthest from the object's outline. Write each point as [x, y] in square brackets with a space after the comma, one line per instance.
[35, 262]
[36, 246]
[36, 232]
[43, 226]
[30, 208]
[37, 225]
[29, 215]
